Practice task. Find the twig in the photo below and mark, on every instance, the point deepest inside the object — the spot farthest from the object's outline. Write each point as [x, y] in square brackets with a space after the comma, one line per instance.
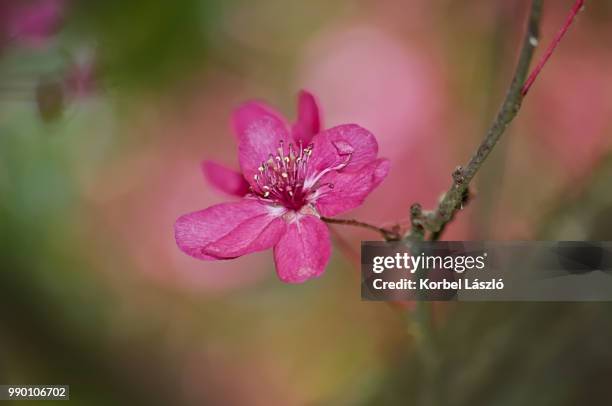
[417, 232]
[551, 48]
[435, 222]
[456, 196]
[389, 235]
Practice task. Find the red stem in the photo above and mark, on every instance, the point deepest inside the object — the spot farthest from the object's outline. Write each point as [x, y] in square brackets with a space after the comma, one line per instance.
[551, 48]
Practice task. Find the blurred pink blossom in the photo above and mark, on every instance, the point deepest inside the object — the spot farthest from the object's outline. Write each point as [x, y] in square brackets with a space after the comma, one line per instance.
[32, 23]
[398, 91]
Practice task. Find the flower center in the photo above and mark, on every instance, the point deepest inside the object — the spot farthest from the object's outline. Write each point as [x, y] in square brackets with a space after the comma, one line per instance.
[284, 178]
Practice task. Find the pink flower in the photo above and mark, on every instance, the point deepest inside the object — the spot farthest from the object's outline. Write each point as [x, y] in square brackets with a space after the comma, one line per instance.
[295, 175]
[233, 182]
[33, 23]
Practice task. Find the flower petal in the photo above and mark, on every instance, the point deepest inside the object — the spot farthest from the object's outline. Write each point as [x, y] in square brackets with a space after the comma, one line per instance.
[260, 134]
[250, 112]
[303, 251]
[348, 142]
[257, 233]
[229, 230]
[308, 122]
[225, 179]
[350, 189]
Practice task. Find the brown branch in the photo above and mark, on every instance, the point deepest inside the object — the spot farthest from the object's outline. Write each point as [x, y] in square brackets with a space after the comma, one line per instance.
[434, 222]
[456, 196]
[389, 235]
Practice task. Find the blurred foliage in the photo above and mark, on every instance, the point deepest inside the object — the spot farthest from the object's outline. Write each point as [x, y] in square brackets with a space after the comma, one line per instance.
[146, 42]
[584, 212]
[509, 354]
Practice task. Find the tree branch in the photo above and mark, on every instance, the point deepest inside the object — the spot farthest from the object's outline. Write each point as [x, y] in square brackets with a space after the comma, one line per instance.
[434, 222]
[389, 235]
[457, 195]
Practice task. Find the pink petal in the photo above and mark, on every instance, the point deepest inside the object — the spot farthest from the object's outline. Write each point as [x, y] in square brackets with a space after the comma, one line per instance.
[303, 251]
[250, 112]
[225, 179]
[252, 235]
[350, 189]
[260, 134]
[206, 234]
[339, 144]
[308, 122]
